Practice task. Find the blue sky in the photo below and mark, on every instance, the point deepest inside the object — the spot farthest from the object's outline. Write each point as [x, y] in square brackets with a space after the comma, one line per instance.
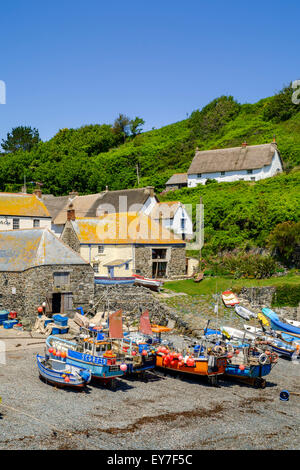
[68, 63]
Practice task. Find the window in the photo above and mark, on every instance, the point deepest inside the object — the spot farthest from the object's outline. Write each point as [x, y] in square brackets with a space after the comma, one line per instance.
[61, 279]
[222, 173]
[199, 175]
[249, 172]
[159, 253]
[252, 178]
[126, 266]
[36, 222]
[100, 249]
[96, 267]
[16, 224]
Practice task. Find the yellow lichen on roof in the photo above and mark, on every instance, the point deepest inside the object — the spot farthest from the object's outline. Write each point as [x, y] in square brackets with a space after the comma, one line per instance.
[22, 205]
[123, 228]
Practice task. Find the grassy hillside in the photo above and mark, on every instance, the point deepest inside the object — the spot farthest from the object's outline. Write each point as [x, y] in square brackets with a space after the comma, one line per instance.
[89, 158]
[242, 214]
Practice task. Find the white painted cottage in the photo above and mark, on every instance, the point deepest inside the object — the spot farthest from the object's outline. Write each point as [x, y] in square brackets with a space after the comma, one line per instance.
[174, 216]
[23, 211]
[248, 163]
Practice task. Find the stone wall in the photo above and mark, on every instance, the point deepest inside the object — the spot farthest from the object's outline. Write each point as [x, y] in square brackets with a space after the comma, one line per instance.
[143, 260]
[70, 238]
[176, 261]
[260, 297]
[133, 298]
[34, 285]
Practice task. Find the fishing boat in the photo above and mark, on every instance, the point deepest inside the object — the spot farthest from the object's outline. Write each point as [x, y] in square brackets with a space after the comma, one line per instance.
[199, 361]
[234, 333]
[114, 280]
[154, 284]
[229, 298]
[94, 354]
[282, 348]
[244, 312]
[137, 348]
[292, 322]
[59, 373]
[250, 365]
[277, 325]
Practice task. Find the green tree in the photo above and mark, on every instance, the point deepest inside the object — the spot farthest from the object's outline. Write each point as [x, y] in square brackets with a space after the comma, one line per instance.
[136, 126]
[20, 138]
[121, 126]
[280, 107]
[284, 238]
[213, 116]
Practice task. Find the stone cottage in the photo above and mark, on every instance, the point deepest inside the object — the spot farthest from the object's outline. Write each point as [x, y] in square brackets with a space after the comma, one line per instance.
[36, 267]
[122, 244]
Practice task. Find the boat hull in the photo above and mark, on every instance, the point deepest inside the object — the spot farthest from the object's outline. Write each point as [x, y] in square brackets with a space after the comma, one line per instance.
[278, 325]
[114, 281]
[98, 366]
[253, 371]
[56, 377]
[201, 367]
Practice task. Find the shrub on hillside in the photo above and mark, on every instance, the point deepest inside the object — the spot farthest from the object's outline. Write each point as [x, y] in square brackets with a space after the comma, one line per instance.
[244, 265]
[284, 239]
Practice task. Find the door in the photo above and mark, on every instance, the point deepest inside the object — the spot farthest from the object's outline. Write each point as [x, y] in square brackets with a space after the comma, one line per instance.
[111, 271]
[159, 269]
[56, 302]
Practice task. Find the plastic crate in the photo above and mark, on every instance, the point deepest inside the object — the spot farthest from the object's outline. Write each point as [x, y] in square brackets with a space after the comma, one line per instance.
[60, 320]
[8, 324]
[56, 330]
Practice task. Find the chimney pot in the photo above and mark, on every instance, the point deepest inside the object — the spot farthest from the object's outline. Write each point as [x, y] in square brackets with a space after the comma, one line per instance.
[71, 213]
[244, 144]
[150, 190]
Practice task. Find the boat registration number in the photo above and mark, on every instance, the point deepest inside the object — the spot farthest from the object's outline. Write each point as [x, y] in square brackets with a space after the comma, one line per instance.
[94, 359]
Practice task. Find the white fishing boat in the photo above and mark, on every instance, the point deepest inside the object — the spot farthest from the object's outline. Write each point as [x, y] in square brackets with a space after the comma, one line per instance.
[237, 334]
[244, 312]
[154, 284]
[253, 329]
[292, 322]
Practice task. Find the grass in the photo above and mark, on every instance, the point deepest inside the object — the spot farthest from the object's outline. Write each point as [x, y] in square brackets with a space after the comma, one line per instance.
[213, 285]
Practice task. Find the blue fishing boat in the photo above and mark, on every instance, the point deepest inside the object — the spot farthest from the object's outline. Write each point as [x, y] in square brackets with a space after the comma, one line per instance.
[277, 325]
[59, 373]
[114, 280]
[139, 352]
[282, 348]
[94, 354]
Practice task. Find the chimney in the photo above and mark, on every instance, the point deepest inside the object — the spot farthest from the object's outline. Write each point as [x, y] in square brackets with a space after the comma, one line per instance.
[71, 212]
[38, 193]
[274, 139]
[244, 144]
[150, 190]
[73, 194]
[106, 189]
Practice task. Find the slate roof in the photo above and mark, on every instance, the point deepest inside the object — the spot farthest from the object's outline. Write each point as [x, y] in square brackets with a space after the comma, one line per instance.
[123, 228]
[177, 178]
[23, 249]
[21, 204]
